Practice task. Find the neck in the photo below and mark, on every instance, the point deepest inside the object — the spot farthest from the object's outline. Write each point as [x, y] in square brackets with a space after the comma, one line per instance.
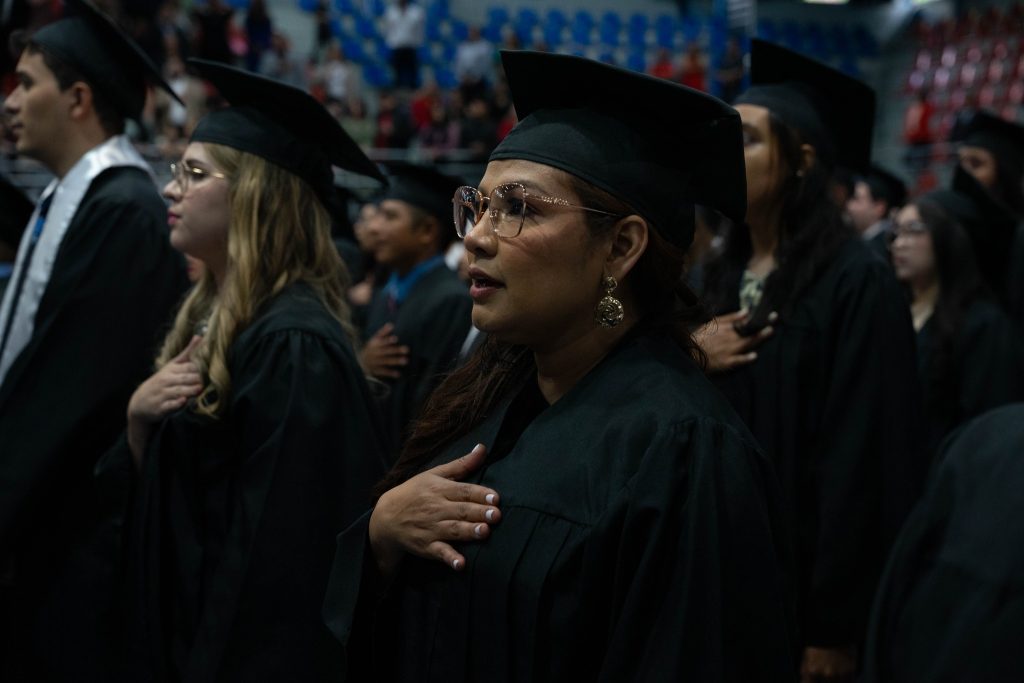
[764, 238]
[925, 294]
[78, 143]
[560, 367]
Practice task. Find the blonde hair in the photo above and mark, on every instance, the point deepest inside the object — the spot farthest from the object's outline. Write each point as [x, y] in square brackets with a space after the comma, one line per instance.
[279, 234]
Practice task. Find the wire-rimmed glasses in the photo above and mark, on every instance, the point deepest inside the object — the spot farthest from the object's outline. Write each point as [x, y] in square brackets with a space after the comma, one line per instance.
[183, 174]
[507, 207]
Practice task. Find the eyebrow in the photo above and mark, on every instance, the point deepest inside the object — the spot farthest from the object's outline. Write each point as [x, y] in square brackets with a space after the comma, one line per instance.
[195, 163]
[537, 189]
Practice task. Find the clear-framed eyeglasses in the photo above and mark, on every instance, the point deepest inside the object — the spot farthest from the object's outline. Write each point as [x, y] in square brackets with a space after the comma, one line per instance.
[183, 174]
[506, 208]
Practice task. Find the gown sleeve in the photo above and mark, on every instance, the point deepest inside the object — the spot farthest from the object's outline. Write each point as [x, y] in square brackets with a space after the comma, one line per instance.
[701, 590]
[305, 460]
[868, 462]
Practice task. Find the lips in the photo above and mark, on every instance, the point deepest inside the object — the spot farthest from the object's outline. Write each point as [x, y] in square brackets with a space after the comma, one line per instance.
[172, 218]
[482, 279]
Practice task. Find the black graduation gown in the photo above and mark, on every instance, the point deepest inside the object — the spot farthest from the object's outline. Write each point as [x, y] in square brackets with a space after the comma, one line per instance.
[233, 522]
[950, 607]
[640, 540]
[834, 400]
[433, 322]
[987, 369]
[113, 286]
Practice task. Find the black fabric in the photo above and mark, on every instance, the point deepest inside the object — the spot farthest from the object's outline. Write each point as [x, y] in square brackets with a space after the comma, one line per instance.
[234, 520]
[113, 286]
[640, 540]
[1004, 139]
[114, 64]
[951, 604]
[834, 400]
[991, 227]
[658, 146]
[282, 124]
[986, 370]
[433, 322]
[17, 209]
[834, 112]
[425, 188]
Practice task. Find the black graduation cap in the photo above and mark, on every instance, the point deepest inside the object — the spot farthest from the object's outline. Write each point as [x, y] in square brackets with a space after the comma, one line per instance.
[112, 62]
[1005, 140]
[886, 186]
[423, 187]
[17, 209]
[658, 146]
[834, 113]
[282, 124]
[989, 225]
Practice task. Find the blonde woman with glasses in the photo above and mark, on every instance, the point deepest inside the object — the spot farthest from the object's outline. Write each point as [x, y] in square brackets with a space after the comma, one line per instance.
[255, 441]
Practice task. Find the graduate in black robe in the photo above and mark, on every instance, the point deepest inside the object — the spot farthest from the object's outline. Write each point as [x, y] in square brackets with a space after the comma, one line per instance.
[970, 355]
[877, 196]
[94, 285]
[258, 440]
[419, 318]
[618, 523]
[831, 393]
[992, 151]
[950, 606]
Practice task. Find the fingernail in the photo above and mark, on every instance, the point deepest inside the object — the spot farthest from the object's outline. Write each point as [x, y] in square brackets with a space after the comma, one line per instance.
[489, 498]
[477, 530]
[489, 515]
[456, 564]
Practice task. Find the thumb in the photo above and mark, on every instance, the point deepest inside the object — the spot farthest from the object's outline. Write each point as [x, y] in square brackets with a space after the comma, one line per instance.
[461, 467]
[385, 330]
[186, 354]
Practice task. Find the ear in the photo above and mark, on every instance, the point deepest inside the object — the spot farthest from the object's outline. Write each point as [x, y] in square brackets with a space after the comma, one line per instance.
[80, 95]
[628, 243]
[808, 157]
[429, 231]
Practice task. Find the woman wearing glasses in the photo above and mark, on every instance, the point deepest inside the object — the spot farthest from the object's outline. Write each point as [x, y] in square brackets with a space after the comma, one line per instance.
[577, 502]
[969, 354]
[254, 441]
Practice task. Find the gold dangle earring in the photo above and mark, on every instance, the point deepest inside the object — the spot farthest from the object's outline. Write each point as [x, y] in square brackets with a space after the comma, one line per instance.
[609, 311]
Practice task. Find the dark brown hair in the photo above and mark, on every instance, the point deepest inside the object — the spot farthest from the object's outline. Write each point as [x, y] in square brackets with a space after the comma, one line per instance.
[465, 398]
[66, 75]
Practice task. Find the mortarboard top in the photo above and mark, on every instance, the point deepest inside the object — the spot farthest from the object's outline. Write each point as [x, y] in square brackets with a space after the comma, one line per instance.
[658, 146]
[423, 187]
[114, 64]
[17, 209]
[282, 124]
[1005, 140]
[835, 113]
[886, 186]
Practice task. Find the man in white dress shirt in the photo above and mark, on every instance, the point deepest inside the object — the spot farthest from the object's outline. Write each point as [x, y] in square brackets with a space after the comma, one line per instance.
[94, 283]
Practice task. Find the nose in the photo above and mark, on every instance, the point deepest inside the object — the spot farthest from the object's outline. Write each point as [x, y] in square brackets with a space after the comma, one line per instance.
[481, 240]
[13, 102]
[172, 190]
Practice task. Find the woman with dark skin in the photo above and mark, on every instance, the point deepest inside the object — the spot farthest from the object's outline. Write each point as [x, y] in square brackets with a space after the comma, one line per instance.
[612, 519]
[814, 349]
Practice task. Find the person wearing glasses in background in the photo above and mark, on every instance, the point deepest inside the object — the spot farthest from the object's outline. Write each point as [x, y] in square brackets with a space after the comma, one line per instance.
[255, 441]
[970, 356]
[93, 284]
[577, 502]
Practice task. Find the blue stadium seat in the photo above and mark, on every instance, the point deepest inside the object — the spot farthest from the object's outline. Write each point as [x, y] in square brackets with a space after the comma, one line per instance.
[376, 75]
[365, 26]
[692, 27]
[665, 31]
[552, 36]
[767, 30]
[583, 18]
[445, 78]
[353, 49]
[344, 6]
[611, 19]
[459, 30]
[239, 4]
[309, 5]
[636, 60]
[497, 16]
[492, 32]
[580, 34]
[608, 35]
[607, 57]
[377, 7]
[556, 17]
